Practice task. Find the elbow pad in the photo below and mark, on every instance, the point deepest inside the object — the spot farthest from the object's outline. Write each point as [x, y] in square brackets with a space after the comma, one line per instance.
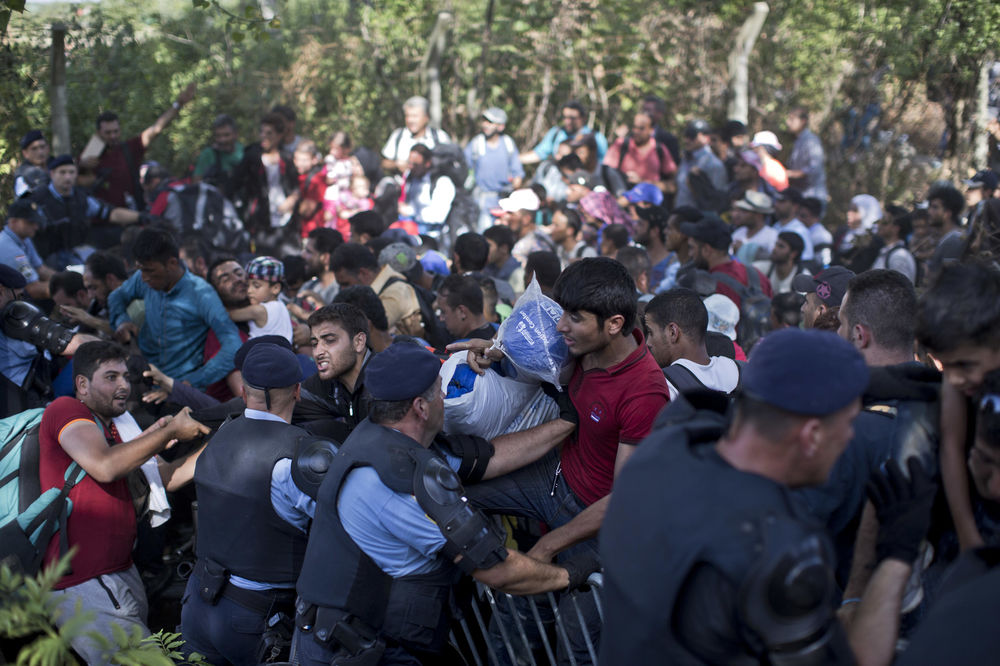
[23, 321]
[475, 453]
[311, 463]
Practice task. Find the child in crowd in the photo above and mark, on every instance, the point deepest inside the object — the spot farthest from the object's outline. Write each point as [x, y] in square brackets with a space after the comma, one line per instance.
[266, 314]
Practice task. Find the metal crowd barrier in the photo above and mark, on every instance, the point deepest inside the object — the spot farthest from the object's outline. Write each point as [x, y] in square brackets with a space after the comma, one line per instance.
[532, 641]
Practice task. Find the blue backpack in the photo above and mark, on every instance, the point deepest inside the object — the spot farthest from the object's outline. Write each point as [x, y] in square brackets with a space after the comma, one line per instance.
[28, 516]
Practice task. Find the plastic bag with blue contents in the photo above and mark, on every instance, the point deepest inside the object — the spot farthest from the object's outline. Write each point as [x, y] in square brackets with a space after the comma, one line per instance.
[529, 339]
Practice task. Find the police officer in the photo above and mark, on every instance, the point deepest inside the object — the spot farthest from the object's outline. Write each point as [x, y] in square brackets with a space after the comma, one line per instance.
[707, 557]
[251, 520]
[393, 531]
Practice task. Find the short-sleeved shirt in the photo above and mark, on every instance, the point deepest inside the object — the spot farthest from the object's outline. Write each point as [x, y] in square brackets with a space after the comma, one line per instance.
[16, 357]
[121, 180]
[102, 524]
[721, 374]
[651, 162]
[738, 271]
[765, 238]
[616, 405]
[19, 254]
[494, 166]
[546, 148]
[279, 322]
[210, 157]
[399, 298]
[397, 148]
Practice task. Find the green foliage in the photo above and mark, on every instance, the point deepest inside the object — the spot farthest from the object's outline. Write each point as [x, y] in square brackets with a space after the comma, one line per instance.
[28, 607]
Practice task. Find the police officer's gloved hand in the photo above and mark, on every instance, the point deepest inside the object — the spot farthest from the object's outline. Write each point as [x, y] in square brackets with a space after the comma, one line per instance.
[903, 507]
[579, 568]
[567, 412]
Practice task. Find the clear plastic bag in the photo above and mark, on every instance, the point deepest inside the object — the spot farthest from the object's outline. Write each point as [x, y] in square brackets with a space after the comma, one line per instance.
[529, 339]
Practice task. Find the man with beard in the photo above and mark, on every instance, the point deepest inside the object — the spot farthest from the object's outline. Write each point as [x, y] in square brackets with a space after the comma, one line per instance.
[708, 240]
[229, 280]
[78, 441]
[320, 244]
[493, 157]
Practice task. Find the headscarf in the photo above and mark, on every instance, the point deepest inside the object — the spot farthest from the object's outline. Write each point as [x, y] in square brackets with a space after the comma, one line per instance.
[603, 206]
[871, 212]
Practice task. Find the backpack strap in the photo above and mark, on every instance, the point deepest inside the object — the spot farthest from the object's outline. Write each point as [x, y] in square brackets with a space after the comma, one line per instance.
[732, 282]
[133, 172]
[682, 378]
[624, 149]
[753, 280]
[399, 139]
[392, 280]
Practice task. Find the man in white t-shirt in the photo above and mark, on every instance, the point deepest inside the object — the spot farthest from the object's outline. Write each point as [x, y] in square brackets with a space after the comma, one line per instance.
[676, 322]
[750, 216]
[416, 130]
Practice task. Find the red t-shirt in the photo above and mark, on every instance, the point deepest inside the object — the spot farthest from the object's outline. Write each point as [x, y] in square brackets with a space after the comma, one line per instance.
[738, 271]
[102, 523]
[616, 404]
[120, 179]
[313, 189]
[220, 389]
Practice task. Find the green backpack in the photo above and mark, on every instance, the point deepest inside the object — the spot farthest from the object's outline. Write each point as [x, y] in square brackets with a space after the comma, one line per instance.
[28, 516]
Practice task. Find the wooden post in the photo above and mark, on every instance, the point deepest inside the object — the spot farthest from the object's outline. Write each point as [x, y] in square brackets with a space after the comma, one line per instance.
[739, 59]
[430, 68]
[57, 95]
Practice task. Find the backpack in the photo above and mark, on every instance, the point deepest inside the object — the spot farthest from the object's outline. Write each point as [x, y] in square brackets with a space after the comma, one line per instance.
[28, 516]
[201, 210]
[216, 175]
[684, 380]
[755, 307]
[448, 161]
[919, 276]
[426, 298]
[661, 151]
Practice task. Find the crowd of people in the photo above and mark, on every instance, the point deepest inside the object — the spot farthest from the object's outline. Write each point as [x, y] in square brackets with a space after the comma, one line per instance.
[775, 433]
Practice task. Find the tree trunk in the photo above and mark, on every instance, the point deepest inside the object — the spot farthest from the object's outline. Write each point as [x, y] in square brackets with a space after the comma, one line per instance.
[481, 100]
[739, 59]
[980, 143]
[430, 68]
[60, 119]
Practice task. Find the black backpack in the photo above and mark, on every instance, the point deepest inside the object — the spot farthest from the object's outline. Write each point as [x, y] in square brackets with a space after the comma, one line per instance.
[448, 161]
[684, 380]
[201, 210]
[755, 307]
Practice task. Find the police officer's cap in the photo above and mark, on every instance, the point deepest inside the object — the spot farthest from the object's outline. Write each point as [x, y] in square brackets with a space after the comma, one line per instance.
[403, 371]
[812, 372]
[268, 366]
[11, 278]
[241, 353]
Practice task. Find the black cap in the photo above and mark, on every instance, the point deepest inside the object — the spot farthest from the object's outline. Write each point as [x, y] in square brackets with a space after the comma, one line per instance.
[60, 160]
[790, 194]
[10, 278]
[711, 230]
[984, 178]
[268, 366]
[25, 209]
[31, 137]
[403, 371]
[813, 373]
[830, 285]
[242, 352]
[696, 127]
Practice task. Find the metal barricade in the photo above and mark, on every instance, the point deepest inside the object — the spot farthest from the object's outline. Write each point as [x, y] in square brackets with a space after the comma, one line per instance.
[498, 629]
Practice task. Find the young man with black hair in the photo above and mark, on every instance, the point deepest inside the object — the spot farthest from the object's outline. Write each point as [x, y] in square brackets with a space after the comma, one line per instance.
[470, 256]
[355, 264]
[573, 115]
[80, 432]
[500, 264]
[959, 324]
[894, 255]
[181, 308]
[785, 261]
[72, 301]
[427, 197]
[945, 205]
[365, 226]
[216, 162]
[708, 242]
[366, 300]
[545, 267]
[810, 212]
[322, 285]
[636, 262]
[613, 238]
[460, 302]
[565, 233]
[651, 233]
[676, 322]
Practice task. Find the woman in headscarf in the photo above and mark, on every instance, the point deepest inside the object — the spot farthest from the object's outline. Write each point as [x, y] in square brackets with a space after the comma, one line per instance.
[856, 244]
[601, 209]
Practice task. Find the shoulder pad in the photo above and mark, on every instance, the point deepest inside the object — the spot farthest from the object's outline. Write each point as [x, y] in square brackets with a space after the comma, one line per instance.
[311, 463]
[475, 453]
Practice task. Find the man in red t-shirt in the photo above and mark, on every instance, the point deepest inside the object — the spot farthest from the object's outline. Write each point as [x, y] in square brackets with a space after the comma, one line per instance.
[114, 174]
[102, 525]
[709, 239]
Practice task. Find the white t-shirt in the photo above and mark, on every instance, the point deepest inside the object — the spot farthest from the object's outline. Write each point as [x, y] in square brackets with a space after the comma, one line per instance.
[279, 322]
[397, 148]
[765, 238]
[721, 374]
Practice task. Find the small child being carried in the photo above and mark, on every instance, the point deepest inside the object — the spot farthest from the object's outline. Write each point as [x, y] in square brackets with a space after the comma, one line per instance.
[266, 314]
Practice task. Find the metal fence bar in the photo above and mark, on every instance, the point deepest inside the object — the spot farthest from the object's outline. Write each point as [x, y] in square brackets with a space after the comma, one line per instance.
[520, 630]
[542, 631]
[503, 630]
[491, 655]
[561, 629]
[584, 628]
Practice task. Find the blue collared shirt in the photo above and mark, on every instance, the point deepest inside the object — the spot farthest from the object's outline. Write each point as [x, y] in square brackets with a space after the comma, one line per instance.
[291, 504]
[177, 323]
[19, 254]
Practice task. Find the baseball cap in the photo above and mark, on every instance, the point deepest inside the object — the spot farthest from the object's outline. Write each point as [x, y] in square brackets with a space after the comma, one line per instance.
[24, 209]
[755, 202]
[766, 138]
[785, 365]
[495, 115]
[696, 127]
[523, 199]
[985, 178]
[709, 229]
[645, 192]
[830, 285]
